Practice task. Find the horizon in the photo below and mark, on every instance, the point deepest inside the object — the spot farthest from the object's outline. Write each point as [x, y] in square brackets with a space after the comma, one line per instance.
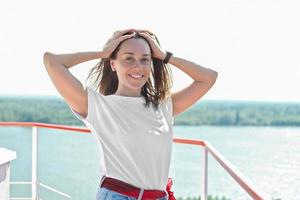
[50, 96]
[252, 45]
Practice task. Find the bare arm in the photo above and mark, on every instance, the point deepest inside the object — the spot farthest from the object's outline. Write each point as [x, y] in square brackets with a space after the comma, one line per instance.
[69, 86]
[204, 79]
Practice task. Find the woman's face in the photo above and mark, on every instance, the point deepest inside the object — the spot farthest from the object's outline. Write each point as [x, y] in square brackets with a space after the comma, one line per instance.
[133, 66]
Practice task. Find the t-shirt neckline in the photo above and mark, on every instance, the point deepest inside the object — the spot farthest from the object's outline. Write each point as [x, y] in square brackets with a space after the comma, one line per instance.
[125, 97]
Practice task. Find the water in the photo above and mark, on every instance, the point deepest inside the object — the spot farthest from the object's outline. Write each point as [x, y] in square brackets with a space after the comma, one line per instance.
[268, 156]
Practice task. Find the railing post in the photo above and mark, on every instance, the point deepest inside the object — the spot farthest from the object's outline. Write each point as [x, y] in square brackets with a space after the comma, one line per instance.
[34, 163]
[203, 170]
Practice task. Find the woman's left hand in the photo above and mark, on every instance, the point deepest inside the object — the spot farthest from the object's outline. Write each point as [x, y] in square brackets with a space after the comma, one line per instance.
[157, 52]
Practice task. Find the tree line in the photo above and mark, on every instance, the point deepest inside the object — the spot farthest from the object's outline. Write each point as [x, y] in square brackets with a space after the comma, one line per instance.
[206, 112]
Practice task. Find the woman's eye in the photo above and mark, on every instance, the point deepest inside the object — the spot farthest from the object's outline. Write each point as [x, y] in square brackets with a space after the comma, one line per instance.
[129, 59]
[145, 60]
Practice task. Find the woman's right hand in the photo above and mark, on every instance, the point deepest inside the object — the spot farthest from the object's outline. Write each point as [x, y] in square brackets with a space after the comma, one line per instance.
[115, 40]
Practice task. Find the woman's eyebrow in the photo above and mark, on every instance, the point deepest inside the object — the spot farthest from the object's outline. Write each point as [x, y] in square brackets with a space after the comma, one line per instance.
[130, 53]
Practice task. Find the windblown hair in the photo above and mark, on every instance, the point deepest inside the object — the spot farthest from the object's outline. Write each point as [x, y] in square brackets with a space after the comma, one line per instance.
[155, 90]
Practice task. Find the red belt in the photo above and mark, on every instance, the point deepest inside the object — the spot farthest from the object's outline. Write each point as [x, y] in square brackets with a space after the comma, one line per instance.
[129, 190]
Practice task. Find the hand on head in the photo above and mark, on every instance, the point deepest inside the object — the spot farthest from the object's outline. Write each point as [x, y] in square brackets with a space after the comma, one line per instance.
[115, 40]
[157, 52]
[121, 35]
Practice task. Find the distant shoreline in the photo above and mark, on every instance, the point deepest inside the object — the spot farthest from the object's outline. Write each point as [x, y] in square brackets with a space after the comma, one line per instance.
[53, 109]
[201, 100]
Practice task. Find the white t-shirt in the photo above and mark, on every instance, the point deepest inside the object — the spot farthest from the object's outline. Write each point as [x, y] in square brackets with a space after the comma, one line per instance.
[135, 141]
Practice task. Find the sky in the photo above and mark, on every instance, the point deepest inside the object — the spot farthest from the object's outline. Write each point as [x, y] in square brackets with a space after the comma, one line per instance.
[254, 45]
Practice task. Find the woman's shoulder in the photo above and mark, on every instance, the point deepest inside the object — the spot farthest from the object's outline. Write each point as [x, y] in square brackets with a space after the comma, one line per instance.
[93, 91]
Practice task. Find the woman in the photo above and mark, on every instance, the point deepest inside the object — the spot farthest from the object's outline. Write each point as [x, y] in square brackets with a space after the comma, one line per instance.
[131, 111]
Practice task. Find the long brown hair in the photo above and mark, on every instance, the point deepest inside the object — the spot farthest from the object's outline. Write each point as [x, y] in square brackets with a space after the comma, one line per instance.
[105, 80]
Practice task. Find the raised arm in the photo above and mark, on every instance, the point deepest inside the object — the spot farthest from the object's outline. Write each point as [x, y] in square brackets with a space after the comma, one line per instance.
[69, 87]
[204, 78]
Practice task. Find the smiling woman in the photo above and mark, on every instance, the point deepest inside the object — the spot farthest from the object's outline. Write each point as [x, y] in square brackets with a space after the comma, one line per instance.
[135, 138]
[131, 71]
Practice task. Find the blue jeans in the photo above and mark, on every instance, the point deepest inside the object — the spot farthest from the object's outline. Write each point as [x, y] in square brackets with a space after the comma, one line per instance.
[106, 194]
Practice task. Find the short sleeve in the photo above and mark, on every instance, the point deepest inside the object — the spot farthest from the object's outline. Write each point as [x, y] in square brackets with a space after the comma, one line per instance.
[170, 108]
[91, 107]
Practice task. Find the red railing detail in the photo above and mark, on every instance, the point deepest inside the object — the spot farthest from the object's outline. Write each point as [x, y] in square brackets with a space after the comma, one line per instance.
[43, 125]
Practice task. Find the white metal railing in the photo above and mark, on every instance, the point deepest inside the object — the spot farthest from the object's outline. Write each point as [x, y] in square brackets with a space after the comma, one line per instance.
[40, 184]
[206, 148]
[34, 169]
[204, 168]
[34, 164]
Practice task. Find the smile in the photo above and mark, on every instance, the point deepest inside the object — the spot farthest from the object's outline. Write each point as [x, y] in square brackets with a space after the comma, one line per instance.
[136, 76]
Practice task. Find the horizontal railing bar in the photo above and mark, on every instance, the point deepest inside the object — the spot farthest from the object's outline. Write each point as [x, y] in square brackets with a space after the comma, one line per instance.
[188, 141]
[43, 125]
[54, 190]
[63, 127]
[41, 184]
[20, 183]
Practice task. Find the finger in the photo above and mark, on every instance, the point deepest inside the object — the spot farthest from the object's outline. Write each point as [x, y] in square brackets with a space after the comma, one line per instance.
[145, 30]
[146, 35]
[116, 32]
[120, 33]
[124, 37]
[112, 44]
[112, 40]
[151, 39]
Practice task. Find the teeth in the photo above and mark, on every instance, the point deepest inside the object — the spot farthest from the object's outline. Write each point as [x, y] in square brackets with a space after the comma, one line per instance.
[135, 76]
